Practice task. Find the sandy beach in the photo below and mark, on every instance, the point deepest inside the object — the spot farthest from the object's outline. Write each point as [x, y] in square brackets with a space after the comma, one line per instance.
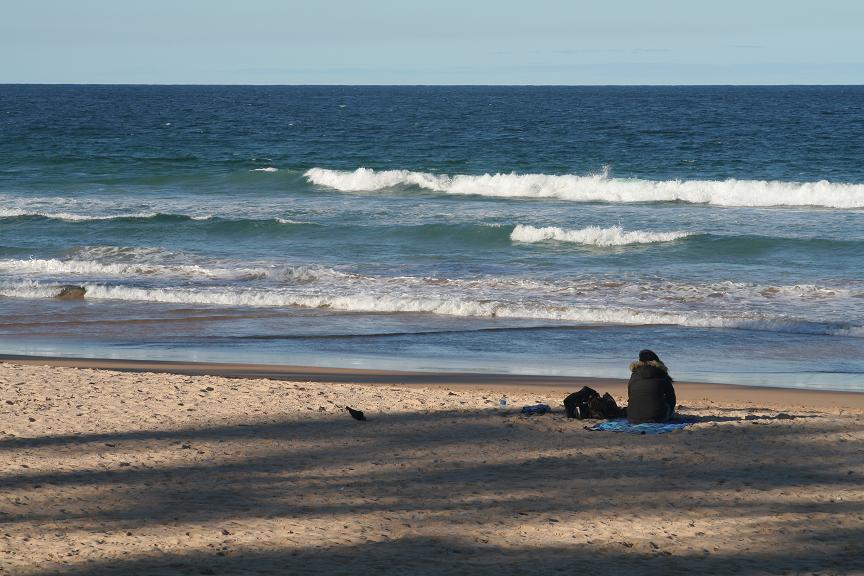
[137, 472]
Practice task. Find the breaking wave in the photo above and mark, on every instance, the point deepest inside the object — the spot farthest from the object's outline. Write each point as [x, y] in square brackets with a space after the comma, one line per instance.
[372, 295]
[601, 188]
[456, 306]
[593, 235]
[88, 268]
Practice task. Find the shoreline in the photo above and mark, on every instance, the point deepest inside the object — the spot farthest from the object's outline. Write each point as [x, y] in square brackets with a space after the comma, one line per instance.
[504, 383]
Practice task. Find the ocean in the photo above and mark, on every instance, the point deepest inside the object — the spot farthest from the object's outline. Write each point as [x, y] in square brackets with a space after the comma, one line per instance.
[542, 230]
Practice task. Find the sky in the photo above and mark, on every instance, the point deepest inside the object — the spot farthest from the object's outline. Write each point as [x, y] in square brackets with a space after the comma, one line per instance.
[561, 42]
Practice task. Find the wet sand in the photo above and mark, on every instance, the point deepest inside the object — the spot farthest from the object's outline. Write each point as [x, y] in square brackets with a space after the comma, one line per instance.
[231, 469]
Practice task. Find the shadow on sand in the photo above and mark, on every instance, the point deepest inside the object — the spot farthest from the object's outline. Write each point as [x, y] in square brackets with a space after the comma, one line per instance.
[469, 492]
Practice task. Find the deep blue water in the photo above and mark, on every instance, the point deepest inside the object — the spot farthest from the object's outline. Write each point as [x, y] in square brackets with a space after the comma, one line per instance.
[532, 229]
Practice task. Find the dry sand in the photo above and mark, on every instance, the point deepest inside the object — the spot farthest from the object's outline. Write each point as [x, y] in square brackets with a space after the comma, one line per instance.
[107, 472]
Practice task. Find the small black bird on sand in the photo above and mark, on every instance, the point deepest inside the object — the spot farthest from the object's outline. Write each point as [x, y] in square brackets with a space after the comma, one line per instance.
[356, 414]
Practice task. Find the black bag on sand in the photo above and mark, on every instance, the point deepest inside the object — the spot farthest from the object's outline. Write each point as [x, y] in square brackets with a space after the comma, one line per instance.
[577, 405]
[603, 408]
[588, 404]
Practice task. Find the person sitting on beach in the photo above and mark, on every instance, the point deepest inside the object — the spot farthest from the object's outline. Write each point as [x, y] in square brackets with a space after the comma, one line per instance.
[651, 397]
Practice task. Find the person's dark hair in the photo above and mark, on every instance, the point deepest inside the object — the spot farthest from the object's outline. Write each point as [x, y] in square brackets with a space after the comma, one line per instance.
[648, 356]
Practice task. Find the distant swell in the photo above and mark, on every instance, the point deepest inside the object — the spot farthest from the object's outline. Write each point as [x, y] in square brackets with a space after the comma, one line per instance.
[593, 235]
[152, 217]
[70, 217]
[601, 188]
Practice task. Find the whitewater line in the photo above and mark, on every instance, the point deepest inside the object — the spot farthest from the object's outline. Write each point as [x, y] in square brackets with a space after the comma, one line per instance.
[601, 188]
[592, 235]
[450, 306]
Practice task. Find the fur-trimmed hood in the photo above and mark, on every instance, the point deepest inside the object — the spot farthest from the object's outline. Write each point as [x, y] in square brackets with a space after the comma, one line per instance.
[655, 363]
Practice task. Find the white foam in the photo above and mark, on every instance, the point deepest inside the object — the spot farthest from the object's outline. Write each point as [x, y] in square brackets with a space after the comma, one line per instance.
[55, 267]
[70, 217]
[601, 188]
[89, 268]
[289, 221]
[592, 235]
[28, 289]
[456, 306]
[121, 253]
[265, 169]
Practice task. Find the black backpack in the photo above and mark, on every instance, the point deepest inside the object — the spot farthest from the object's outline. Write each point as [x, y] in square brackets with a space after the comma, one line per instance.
[605, 407]
[578, 404]
[588, 404]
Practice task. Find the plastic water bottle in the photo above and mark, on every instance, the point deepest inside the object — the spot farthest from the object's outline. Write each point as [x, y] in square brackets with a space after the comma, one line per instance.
[502, 404]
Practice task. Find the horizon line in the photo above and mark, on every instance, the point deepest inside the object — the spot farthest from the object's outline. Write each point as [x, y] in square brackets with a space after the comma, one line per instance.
[424, 85]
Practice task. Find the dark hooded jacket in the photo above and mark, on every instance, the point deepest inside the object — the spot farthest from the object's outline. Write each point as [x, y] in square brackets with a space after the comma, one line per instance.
[651, 397]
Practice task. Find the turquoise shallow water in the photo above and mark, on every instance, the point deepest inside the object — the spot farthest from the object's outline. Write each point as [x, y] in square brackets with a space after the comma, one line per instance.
[544, 230]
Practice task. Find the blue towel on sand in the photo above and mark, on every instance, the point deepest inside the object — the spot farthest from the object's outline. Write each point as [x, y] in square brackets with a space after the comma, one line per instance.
[536, 409]
[622, 425]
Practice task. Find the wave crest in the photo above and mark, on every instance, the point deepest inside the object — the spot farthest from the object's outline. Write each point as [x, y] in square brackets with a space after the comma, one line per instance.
[601, 188]
[593, 235]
